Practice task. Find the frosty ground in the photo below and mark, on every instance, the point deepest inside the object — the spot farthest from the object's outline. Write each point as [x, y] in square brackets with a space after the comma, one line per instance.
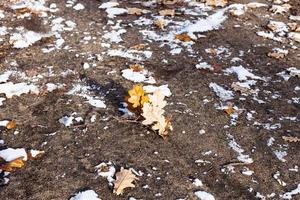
[230, 73]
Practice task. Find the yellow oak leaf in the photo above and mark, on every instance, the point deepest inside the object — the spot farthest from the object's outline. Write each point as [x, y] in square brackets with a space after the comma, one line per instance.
[137, 96]
[124, 179]
[17, 163]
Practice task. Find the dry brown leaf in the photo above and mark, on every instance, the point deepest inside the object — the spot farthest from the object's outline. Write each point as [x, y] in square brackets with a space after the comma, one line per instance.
[160, 23]
[229, 110]
[11, 124]
[211, 51]
[217, 3]
[290, 139]
[183, 37]
[169, 2]
[276, 55]
[124, 179]
[34, 154]
[17, 163]
[136, 11]
[138, 46]
[167, 12]
[244, 90]
[136, 67]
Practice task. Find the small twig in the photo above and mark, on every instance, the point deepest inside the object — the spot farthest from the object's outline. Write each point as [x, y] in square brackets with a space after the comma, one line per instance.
[234, 164]
[126, 120]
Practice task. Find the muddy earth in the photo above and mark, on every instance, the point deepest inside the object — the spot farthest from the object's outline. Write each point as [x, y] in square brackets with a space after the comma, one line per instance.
[233, 71]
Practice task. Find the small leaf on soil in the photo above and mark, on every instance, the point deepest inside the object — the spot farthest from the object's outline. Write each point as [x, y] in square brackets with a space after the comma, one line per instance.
[124, 179]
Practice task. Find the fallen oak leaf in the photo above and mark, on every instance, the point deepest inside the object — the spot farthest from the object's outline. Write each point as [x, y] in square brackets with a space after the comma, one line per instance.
[160, 23]
[124, 179]
[16, 163]
[217, 3]
[137, 96]
[138, 46]
[136, 67]
[167, 12]
[137, 11]
[11, 124]
[290, 139]
[183, 37]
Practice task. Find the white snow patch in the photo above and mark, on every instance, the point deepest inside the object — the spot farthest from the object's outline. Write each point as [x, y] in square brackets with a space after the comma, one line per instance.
[109, 4]
[163, 88]
[78, 6]
[242, 73]
[114, 36]
[86, 195]
[83, 91]
[288, 195]
[280, 155]
[204, 65]
[11, 154]
[138, 77]
[238, 149]
[24, 38]
[106, 170]
[131, 54]
[202, 195]
[66, 120]
[10, 89]
[224, 94]
[112, 12]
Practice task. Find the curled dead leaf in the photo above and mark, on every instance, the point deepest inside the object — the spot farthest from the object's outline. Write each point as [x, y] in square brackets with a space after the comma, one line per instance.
[11, 124]
[137, 11]
[276, 55]
[17, 163]
[136, 67]
[217, 3]
[290, 139]
[183, 37]
[160, 23]
[138, 46]
[167, 12]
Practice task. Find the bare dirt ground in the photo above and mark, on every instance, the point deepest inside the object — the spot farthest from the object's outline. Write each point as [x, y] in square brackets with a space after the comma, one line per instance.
[206, 143]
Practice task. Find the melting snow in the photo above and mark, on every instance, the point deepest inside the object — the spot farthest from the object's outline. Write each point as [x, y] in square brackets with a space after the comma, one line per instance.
[224, 94]
[288, 195]
[86, 195]
[202, 195]
[10, 89]
[10, 154]
[242, 73]
[237, 148]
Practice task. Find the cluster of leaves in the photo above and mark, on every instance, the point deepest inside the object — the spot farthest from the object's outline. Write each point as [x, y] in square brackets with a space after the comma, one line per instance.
[18, 162]
[151, 108]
